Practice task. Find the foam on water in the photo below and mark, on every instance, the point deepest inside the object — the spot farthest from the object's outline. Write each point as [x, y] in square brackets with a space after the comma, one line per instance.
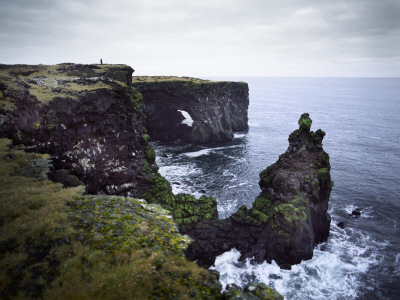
[198, 153]
[335, 272]
[206, 151]
[239, 135]
[366, 212]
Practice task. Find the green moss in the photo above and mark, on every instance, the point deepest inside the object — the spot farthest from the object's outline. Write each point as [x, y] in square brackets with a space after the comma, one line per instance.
[150, 154]
[305, 122]
[187, 210]
[323, 174]
[137, 100]
[146, 137]
[323, 161]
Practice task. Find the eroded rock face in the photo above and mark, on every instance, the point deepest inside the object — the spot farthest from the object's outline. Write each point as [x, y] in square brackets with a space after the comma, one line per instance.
[288, 217]
[194, 111]
[90, 120]
[87, 117]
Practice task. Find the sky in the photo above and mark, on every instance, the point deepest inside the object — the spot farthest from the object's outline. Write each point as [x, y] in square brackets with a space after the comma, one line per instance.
[346, 38]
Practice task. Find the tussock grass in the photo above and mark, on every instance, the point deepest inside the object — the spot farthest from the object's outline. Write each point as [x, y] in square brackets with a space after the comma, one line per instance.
[45, 252]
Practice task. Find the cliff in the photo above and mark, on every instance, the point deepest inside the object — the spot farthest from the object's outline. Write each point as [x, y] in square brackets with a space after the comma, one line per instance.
[87, 117]
[288, 217]
[193, 110]
[87, 122]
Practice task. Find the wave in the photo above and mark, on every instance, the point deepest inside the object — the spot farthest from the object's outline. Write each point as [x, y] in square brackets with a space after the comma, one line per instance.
[239, 135]
[335, 272]
[207, 151]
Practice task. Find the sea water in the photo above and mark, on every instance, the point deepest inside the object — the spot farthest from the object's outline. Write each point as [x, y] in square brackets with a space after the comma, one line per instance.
[361, 118]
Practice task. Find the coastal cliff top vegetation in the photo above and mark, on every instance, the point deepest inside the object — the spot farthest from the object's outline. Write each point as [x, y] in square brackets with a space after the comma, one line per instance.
[136, 79]
[185, 81]
[46, 82]
[57, 243]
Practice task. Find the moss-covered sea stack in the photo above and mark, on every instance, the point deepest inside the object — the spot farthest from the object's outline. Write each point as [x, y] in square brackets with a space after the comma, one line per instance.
[288, 217]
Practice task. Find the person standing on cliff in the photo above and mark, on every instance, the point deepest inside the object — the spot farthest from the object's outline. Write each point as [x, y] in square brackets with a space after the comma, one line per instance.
[101, 61]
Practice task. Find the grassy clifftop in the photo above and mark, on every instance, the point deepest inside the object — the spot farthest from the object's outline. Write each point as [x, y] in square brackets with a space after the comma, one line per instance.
[184, 80]
[59, 244]
[63, 80]
[136, 79]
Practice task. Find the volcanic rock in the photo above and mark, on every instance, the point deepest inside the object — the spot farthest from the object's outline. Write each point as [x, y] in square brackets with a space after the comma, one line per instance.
[193, 110]
[288, 217]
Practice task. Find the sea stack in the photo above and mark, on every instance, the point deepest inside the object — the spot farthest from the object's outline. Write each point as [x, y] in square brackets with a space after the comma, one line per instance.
[288, 217]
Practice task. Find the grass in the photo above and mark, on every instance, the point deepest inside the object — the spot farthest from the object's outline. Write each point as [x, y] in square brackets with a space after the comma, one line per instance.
[187, 83]
[56, 243]
[136, 79]
[46, 82]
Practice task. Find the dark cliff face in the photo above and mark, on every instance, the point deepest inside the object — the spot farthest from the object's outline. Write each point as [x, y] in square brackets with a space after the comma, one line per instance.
[288, 217]
[87, 117]
[90, 120]
[194, 111]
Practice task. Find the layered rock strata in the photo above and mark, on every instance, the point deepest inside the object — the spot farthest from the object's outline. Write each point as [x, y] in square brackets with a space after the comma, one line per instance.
[193, 110]
[287, 218]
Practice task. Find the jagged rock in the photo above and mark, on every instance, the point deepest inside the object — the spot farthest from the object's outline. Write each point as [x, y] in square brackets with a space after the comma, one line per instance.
[63, 176]
[288, 217]
[193, 110]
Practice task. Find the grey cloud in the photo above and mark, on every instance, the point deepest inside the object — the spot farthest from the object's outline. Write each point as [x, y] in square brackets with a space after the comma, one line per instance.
[258, 35]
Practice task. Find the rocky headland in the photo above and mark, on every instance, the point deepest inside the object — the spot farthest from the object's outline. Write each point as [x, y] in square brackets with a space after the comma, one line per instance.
[191, 109]
[112, 227]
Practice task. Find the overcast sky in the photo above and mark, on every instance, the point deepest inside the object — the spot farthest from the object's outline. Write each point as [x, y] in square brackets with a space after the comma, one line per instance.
[208, 37]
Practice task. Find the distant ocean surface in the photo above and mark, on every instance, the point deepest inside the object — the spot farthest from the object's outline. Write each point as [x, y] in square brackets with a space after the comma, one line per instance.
[361, 118]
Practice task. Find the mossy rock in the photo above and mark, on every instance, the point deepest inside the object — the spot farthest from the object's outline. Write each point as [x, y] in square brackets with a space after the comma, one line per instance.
[305, 122]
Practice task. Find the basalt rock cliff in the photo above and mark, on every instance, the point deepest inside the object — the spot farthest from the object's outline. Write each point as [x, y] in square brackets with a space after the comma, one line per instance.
[193, 110]
[90, 120]
[87, 117]
[289, 216]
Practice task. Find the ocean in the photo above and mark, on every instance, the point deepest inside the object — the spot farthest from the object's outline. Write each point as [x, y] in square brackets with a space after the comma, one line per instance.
[361, 118]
